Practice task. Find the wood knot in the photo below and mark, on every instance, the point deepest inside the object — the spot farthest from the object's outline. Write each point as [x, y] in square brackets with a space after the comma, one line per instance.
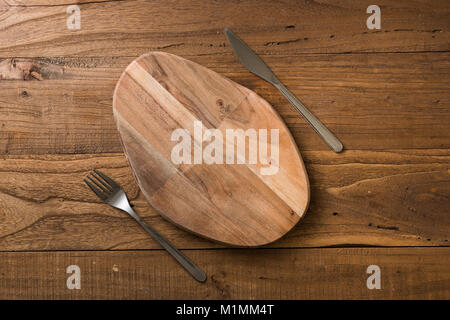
[224, 109]
[29, 69]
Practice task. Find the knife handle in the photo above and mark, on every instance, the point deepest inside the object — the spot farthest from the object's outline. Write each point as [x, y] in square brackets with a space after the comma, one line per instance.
[318, 126]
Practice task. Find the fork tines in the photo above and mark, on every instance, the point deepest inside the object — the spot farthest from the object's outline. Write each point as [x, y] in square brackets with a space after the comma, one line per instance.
[100, 183]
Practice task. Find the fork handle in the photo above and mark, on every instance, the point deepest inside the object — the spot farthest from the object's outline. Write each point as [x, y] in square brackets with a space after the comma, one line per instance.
[187, 264]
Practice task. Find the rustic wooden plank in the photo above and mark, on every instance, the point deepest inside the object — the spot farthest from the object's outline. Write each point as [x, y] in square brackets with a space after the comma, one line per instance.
[110, 28]
[390, 198]
[406, 273]
[371, 101]
[72, 103]
[389, 188]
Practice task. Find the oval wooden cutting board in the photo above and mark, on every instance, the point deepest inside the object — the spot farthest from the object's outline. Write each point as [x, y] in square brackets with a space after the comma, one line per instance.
[158, 101]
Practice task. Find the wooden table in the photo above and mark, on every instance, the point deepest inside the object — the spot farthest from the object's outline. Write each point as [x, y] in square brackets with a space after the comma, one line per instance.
[384, 201]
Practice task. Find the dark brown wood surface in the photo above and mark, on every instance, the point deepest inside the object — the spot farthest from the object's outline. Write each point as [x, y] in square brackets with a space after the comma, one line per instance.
[328, 273]
[385, 93]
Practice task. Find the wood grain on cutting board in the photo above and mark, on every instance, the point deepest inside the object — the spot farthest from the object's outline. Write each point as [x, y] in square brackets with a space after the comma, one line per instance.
[234, 202]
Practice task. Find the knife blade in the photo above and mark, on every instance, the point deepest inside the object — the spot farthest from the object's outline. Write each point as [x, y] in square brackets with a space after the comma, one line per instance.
[249, 59]
[257, 66]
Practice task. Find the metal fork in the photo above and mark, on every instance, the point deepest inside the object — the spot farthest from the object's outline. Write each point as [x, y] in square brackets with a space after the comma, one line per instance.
[112, 193]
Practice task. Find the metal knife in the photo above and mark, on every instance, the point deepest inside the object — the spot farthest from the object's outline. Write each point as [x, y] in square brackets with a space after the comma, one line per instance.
[254, 63]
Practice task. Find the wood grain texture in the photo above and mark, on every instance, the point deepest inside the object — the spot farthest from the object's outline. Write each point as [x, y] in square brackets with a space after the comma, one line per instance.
[248, 198]
[384, 92]
[195, 27]
[371, 101]
[406, 273]
[390, 198]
